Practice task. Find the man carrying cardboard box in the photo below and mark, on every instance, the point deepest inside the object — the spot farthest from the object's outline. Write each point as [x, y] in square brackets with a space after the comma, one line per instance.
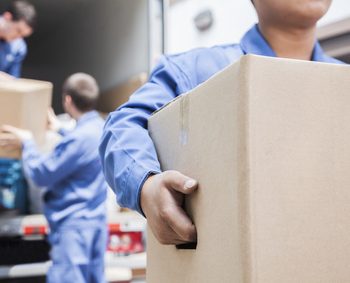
[16, 23]
[74, 201]
[285, 29]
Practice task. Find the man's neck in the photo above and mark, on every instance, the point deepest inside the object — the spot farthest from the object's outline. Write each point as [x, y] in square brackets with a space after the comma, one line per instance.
[294, 43]
[77, 115]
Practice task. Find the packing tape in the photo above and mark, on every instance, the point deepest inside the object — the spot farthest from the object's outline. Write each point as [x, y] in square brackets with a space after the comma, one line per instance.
[184, 119]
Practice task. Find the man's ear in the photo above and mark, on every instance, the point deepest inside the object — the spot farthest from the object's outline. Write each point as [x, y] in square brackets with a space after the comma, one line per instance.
[68, 99]
[7, 16]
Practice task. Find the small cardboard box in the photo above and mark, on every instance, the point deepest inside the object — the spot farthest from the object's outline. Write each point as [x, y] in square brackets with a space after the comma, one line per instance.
[269, 142]
[24, 104]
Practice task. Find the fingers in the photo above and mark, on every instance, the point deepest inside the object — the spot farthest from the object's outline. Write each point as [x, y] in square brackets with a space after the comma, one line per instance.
[50, 113]
[172, 212]
[162, 196]
[5, 76]
[11, 130]
[169, 237]
[179, 182]
[9, 141]
[19, 133]
[8, 129]
[180, 223]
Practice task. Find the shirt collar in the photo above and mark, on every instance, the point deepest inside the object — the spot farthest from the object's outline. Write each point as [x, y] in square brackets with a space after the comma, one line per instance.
[87, 117]
[318, 54]
[253, 42]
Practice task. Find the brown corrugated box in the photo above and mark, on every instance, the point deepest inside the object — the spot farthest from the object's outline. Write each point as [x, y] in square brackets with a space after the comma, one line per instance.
[120, 94]
[24, 104]
[269, 142]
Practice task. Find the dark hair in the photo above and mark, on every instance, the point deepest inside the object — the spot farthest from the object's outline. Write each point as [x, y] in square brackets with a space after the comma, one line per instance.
[23, 10]
[83, 90]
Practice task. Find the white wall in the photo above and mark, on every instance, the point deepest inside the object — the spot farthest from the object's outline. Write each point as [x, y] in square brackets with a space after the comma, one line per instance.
[339, 10]
[231, 19]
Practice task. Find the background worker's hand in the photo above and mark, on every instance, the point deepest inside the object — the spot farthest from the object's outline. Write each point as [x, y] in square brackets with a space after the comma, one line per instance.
[52, 121]
[4, 76]
[162, 198]
[10, 141]
[21, 134]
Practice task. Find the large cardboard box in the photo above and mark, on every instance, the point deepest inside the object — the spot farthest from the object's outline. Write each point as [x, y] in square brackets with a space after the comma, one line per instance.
[24, 104]
[269, 142]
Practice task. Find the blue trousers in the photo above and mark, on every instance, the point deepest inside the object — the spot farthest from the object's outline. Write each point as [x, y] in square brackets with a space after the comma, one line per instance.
[77, 254]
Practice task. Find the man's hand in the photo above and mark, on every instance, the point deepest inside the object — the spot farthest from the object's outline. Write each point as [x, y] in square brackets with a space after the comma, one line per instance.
[5, 77]
[53, 123]
[21, 134]
[162, 197]
[10, 142]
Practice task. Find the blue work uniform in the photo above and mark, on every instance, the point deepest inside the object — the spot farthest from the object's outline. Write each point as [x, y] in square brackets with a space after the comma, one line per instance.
[127, 151]
[74, 201]
[11, 56]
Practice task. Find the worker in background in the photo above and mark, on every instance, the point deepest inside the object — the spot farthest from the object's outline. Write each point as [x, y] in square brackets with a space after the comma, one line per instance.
[74, 201]
[285, 29]
[16, 23]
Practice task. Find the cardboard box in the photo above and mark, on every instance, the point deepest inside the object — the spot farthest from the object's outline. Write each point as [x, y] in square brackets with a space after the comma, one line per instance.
[24, 104]
[113, 98]
[269, 142]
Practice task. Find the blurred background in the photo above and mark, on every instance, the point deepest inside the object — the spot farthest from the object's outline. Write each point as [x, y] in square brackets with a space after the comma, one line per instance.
[118, 42]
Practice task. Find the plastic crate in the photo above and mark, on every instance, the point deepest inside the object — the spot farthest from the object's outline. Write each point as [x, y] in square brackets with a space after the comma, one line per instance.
[13, 186]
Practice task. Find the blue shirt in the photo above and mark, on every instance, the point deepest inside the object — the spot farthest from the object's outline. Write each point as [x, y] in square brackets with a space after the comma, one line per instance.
[11, 56]
[128, 153]
[76, 188]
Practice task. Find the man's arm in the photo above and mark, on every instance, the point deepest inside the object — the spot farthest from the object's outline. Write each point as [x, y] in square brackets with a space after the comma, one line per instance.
[130, 161]
[127, 151]
[45, 170]
[54, 124]
[15, 68]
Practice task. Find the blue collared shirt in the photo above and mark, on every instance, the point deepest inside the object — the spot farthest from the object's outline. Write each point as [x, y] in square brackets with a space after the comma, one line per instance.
[72, 173]
[127, 152]
[11, 56]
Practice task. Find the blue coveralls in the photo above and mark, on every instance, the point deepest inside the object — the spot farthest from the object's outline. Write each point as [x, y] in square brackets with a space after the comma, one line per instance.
[127, 152]
[74, 202]
[11, 56]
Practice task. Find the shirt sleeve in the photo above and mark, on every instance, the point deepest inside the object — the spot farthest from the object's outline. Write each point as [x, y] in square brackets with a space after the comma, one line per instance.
[46, 170]
[127, 151]
[63, 132]
[15, 68]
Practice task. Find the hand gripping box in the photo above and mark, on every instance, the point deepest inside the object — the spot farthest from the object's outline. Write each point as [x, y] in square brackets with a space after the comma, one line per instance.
[269, 142]
[24, 104]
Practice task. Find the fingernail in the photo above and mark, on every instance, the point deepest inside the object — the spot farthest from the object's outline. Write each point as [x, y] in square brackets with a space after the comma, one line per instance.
[190, 183]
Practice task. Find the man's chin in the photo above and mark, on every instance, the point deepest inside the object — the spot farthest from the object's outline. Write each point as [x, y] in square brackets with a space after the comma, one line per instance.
[9, 39]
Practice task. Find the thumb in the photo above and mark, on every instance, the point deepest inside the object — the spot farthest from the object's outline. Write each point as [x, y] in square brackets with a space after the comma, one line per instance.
[179, 182]
[51, 112]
